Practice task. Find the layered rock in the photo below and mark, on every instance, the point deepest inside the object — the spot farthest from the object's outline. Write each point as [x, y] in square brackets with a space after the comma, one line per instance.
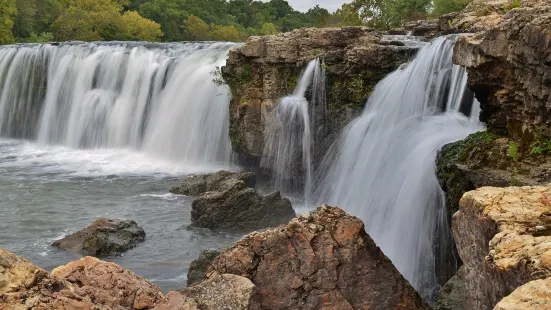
[509, 69]
[320, 260]
[86, 284]
[199, 184]
[503, 238]
[104, 237]
[265, 69]
[198, 268]
[534, 295]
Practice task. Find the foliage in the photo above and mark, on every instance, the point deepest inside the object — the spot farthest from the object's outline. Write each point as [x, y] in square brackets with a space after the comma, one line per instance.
[447, 6]
[224, 33]
[512, 151]
[8, 11]
[540, 145]
[268, 29]
[513, 4]
[138, 28]
[196, 29]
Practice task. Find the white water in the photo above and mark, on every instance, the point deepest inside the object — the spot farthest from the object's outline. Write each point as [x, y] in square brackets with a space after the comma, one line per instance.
[289, 138]
[157, 99]
[382, 169]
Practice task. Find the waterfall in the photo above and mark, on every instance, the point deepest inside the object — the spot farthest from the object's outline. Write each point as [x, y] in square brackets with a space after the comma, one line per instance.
[289, 135]
[156, 98]
[382, 168]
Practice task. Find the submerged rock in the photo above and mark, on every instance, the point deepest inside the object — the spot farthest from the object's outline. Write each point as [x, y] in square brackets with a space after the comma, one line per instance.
[236, 206]
[199, 184]
[321, 260]
[503, 237]
[105, 237]
[198, 267]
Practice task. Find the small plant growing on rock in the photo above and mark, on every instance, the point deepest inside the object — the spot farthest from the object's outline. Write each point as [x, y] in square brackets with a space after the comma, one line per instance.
[541, 145]
[512, 151]
[511, 5]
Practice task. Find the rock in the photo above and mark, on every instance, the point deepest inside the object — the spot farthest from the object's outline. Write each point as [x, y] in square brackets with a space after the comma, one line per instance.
[88, 284]
[199, 184]
[236, 206]
[479, 15]
[224, 291]
[423, 28]
[503, 238]
[109, 284]
[265, 69]
[453, 295]
[198, 267]
[509, 69]
[534, 295]
[322, 260]
[105, 237]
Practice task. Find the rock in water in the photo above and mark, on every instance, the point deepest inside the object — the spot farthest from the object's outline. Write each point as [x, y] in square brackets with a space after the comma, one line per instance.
[199, 184]
[198, 267]
[323, 260]
[236, 206]
[105, 237]
[503, 237]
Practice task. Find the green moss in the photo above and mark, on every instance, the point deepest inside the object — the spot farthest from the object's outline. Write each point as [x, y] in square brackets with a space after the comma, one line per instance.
[238, 81]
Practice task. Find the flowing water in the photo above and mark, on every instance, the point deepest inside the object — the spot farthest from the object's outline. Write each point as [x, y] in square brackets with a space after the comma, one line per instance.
[105, 130]
[382, 169]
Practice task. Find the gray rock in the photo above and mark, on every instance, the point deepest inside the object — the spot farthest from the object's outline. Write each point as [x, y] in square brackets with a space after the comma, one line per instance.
[199, 184]
[453, 296]
[105, 237]
[198, 267]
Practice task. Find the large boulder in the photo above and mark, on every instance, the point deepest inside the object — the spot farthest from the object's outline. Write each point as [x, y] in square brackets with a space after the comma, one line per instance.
[265, 69]
[534, 295]
[321, 260]
[199, 184]
[198, 268]
[502, 236]
[236, 206]
[104, 237]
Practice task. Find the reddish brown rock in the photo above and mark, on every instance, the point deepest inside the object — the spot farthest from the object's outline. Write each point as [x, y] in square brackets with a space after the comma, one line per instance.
[323, 260]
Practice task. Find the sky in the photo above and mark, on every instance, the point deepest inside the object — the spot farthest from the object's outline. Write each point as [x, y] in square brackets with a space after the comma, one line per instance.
[305, 5]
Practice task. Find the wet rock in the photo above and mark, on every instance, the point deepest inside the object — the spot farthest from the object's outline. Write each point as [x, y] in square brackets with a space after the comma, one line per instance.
[198, 267]
[320, 260]
[534, 295]
[453, 296]
[503, 238]
[265, 69]
[199, 184]
[224, 291]
[105, 237]
[236, 206]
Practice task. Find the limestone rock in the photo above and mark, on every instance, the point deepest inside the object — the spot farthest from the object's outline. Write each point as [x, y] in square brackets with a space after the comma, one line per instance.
[509, 70]
[534, 295]
[502, 236]
[199, 184]
[236, 206]
[17, 274]
[109, 284]
[105, 237]
[198, 267]
[265, 69]
[224, 291]
[322, 260]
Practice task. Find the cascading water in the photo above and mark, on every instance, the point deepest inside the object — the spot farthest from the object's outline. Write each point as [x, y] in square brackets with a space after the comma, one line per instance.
[382, 169]
[288, 137]
[156, 98]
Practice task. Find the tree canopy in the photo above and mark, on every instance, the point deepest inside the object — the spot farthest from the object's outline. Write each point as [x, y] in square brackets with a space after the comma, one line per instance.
[183, 20]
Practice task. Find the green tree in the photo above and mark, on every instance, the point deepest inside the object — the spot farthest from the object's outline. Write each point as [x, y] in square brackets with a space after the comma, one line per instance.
[224, 33]
[24, 23]
[170, 14]
[137, 28]
[318, 17]
[8, 12]
[268, 29]
[447, 6]
[196, 29]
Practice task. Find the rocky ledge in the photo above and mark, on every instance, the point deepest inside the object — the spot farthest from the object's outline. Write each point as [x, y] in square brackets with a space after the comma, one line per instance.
[503, 237]
[265, 69]
[225, 201]
[104, 237]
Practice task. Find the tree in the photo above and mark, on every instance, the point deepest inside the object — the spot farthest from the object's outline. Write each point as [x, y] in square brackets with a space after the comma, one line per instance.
[447, 6]
[318, 17]
[137, 28]
[268, 29]
[24, 23]
[196, 29]
[170, 14]
[224, 33]
[8, 12]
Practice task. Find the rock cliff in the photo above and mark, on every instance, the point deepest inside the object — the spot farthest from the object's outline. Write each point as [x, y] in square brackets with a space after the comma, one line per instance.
[265, 69]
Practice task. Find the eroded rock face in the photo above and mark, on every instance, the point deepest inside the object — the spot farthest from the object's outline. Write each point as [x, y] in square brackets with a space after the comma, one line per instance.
[199, 184]
[509, 70]
[453, 295]
[267, 68]
[321, 260]
[236, 206]
[198, 267]
[105, 237]
[534, 295]
[503, 238]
